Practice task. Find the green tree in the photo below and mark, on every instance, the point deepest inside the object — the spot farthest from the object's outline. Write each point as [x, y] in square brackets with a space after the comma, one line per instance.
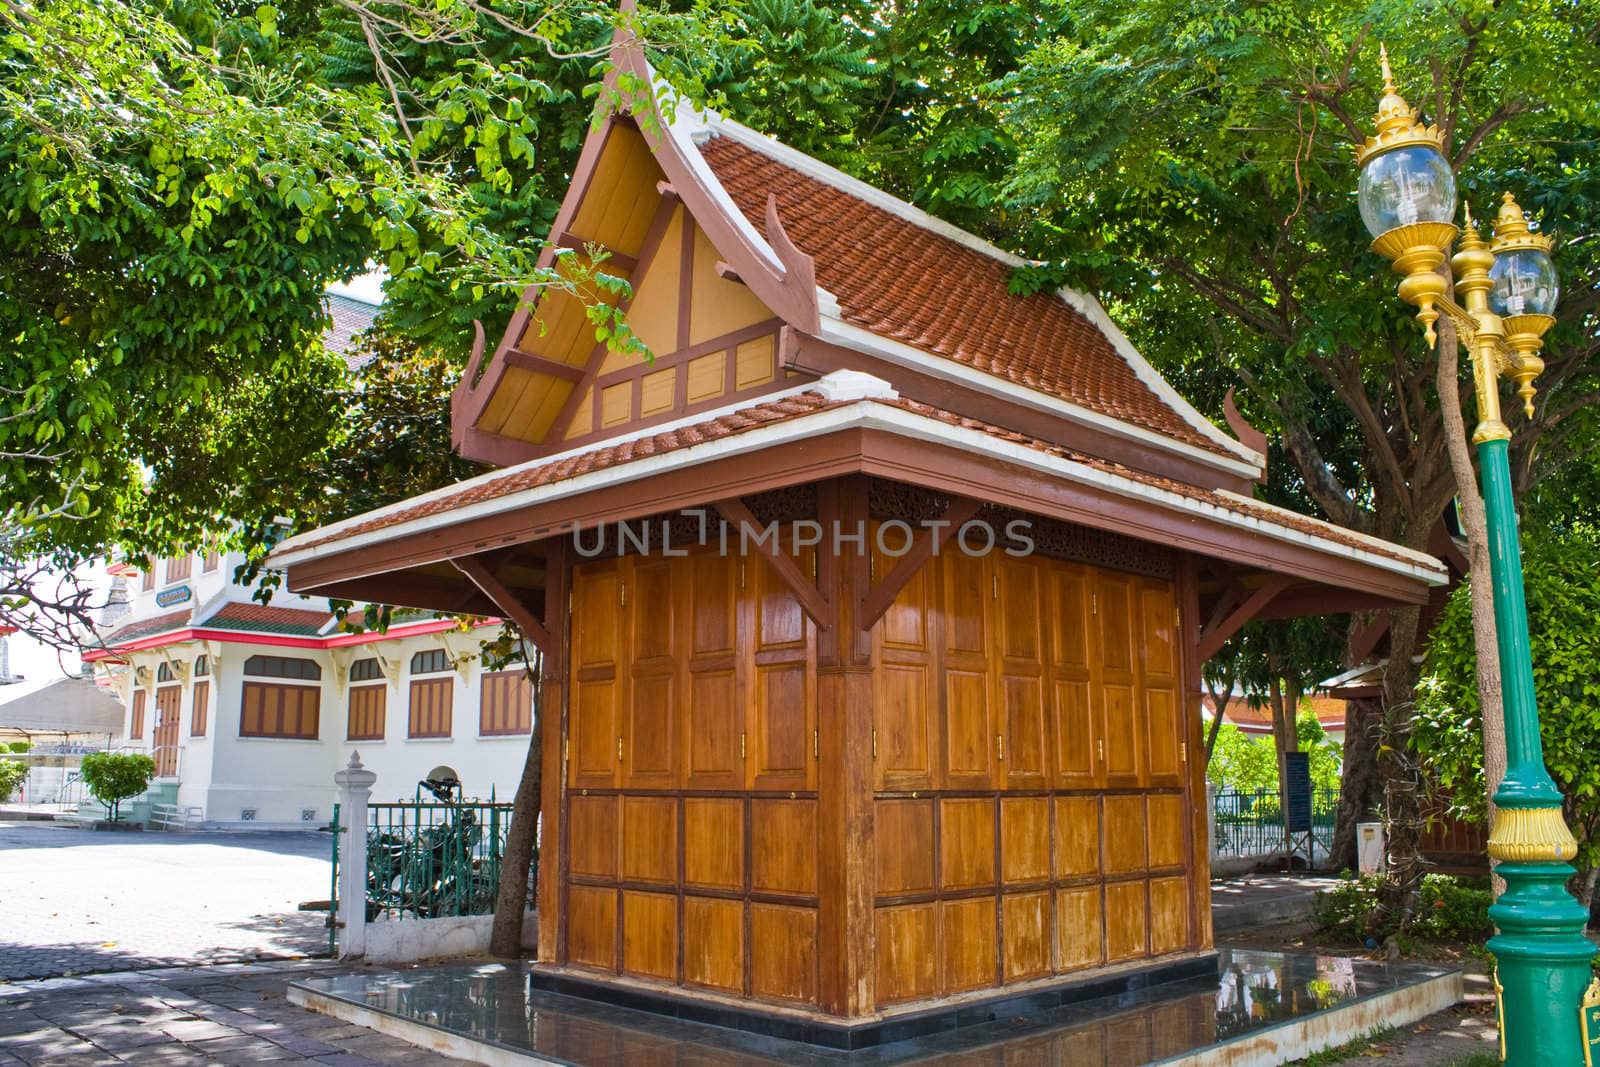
[13, 772]
[113, 777]
[1192, 160]
[1563, 592]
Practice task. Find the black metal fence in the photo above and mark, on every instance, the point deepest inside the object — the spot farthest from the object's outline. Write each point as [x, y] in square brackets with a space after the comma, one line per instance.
[434, 859]
[1247, 825]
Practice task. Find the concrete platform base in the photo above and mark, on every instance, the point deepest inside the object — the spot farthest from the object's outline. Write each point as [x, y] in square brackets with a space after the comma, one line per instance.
[1257, 1009]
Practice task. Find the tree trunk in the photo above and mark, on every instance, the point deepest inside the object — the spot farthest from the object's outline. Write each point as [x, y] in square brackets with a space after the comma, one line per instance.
[1360, 788]
[516, 863]
[1397, 766]
[1475, 523]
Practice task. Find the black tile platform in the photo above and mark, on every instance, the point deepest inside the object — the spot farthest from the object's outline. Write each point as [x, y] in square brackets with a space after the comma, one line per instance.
[1246, 1000]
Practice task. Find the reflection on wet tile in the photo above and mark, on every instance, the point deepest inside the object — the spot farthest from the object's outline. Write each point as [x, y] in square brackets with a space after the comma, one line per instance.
[1251, 991]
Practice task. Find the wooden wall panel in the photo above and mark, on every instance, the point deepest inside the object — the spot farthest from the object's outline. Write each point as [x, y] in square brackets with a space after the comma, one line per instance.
[1113, 663]
[713, 943]
[1025, 918]
[649, 749]
[593, 836]
[907, 953]
[650, 839]
[970, 728]
[783, 855]
[1167, 813]
[594, 725]
[967, 944]
[784, 967]
[903, 841]
[1077, 833]
[592, 927]
[713, 721]
[650, 935]
[904, 707]
[1164, 729]
[1024, 839]
[1127, 921]
[784, 721]
[1169, 915]
[713, 840]
[1080, 929]
[1125, 834]
[966, 843]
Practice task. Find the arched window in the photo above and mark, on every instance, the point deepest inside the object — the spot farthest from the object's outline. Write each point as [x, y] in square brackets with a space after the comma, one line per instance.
[431, 698]
[305, 670]
[280, 709]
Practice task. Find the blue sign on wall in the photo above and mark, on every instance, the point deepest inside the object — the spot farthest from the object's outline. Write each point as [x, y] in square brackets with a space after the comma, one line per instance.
[1297, 769]
[176, 595]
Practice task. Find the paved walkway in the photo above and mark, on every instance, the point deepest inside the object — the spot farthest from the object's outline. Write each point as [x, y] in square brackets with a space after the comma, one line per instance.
[80, 902]
[1259, 899]
[229, 1014]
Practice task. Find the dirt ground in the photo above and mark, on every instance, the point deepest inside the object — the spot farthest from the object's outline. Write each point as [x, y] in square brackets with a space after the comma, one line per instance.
[1463, 1036]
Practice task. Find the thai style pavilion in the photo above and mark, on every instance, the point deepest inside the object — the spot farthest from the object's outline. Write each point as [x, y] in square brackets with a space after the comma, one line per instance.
[878, 773]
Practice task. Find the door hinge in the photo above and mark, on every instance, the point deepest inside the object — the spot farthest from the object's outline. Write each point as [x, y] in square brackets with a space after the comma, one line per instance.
[622, 593]
[994, 587]
[741, 744]
[1000, 741]
[816, 745]
[1094, 603]
[874, 744]
[1177, 618]
[1183, 752]
[1100, 748]
[619, 750]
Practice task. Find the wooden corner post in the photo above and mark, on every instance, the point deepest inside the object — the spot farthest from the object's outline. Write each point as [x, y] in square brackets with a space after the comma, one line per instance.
[553, 730]
[845, 867]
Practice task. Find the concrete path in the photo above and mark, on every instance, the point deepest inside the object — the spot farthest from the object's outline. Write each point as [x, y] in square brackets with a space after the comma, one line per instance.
[1260, 899]
[79, 902]
[229, 1014]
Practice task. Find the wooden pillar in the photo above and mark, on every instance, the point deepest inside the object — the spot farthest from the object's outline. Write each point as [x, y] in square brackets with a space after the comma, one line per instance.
[553, 727]
[1189, 667]
[846, 876]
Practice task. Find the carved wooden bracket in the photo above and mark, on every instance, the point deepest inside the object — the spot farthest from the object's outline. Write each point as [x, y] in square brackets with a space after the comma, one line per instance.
[511, 606]
[927, 544]
[811, 599]
[1223, 626]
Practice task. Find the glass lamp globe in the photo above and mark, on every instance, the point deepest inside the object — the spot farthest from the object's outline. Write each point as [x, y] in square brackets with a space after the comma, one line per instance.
[1524, 283]
[1406, 185]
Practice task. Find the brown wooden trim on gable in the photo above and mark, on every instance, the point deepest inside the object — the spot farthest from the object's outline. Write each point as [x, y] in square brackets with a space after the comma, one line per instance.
[619, 262]
[515, 357]
[803, 352]
[888, 455]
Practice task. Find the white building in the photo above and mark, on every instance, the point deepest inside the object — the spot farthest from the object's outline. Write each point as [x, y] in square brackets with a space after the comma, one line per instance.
[249, 709]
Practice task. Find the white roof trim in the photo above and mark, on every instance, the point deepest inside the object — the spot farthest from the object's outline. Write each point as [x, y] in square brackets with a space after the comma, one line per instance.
[288, 545]
[1090, 308]
[862, 340]
[871, 414]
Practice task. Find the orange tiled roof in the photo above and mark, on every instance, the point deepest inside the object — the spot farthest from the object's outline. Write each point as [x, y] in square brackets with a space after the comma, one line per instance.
[156, 624]
[781, 409]
[904, 281]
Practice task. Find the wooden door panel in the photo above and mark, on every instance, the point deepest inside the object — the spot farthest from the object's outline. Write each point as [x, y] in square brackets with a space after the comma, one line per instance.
[1114, 617]
[653, 623]
[1164, 744]
[966, 842]
[594, 733]
[712, 604]
[650, 839]
[1024, 839]
[780, 621]
[1169, 915]
[1017, 607]
[783, 846]
[1077, 763]
[713, 722]
[592, 836]
[966, 603]
[906, 739]
[597, 614]
[1026, 738]
[649, 759]
[1124, 736]
[1077, 836]
[1067, 625]
[784, 723]
[1158, 618]
[969, 730]
[1126, 833]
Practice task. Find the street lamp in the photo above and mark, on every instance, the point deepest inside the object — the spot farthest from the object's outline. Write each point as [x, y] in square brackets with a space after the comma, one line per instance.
[1509, 287]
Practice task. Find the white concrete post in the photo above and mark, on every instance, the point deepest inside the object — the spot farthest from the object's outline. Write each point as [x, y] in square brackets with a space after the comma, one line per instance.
[355, 789]
[1211, 817]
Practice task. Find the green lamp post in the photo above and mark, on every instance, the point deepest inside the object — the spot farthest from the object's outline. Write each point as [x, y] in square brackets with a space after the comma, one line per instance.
[1509, 288]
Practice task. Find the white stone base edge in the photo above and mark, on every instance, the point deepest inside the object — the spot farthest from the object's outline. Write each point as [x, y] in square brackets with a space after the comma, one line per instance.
[446, 1044]
[406, 940]
[1299, 1038]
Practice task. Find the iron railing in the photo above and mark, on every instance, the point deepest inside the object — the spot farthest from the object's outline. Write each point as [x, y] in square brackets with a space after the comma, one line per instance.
[1251, 824]
[428, 860]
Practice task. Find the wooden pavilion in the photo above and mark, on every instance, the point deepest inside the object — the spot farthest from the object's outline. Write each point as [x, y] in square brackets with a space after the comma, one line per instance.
[846, 779]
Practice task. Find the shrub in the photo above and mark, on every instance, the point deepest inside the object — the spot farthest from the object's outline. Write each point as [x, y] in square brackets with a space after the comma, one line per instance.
[12, 773]
[115, 776]
[20, 747]
[1447, 909]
